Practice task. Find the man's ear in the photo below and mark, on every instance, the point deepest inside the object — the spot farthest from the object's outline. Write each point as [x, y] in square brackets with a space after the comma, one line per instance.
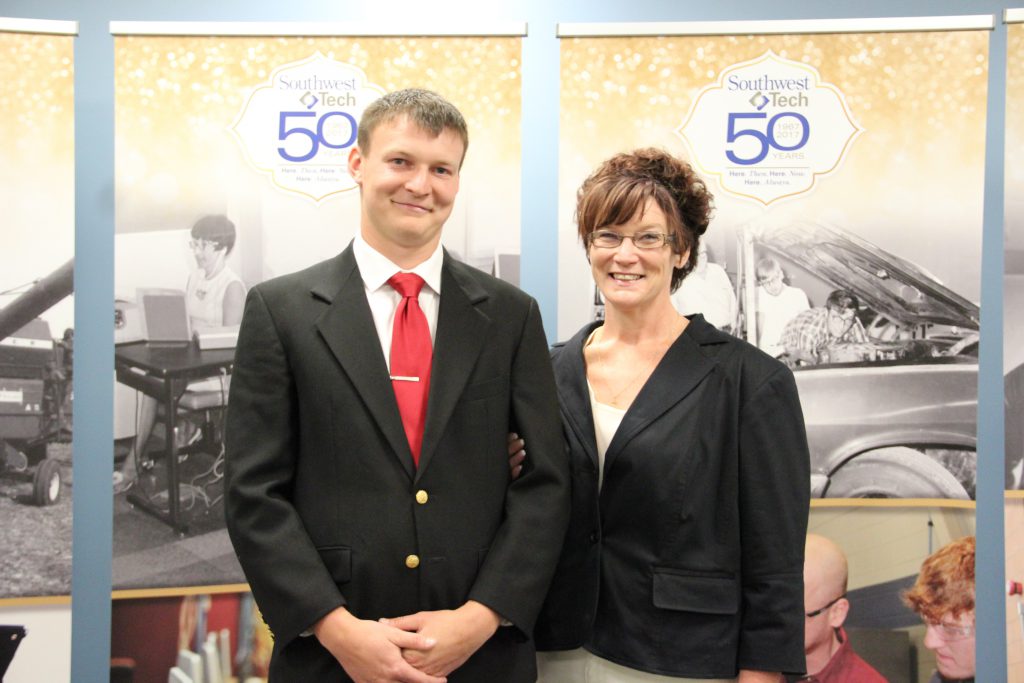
[355, 165]
[837, 613]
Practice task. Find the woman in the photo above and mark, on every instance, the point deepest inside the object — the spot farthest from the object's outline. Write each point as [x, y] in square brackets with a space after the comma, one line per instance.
[214, 297]
[684, 554]
[214, 294]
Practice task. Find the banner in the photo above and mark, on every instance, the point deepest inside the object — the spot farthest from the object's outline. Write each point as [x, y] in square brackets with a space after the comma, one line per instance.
[1013, 289]
[248, 136]
[847, 161]
[1013, 343]
[37, 193]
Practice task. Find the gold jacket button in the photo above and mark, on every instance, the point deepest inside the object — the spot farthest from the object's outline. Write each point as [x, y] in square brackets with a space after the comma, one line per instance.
[422, 497]
[412, 562]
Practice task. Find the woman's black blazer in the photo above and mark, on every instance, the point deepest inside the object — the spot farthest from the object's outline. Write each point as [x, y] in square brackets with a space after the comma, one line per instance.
[689, 562]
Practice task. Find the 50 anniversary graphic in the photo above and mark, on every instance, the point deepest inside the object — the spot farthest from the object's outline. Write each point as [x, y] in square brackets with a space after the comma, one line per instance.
[768, 128]
[300, 126]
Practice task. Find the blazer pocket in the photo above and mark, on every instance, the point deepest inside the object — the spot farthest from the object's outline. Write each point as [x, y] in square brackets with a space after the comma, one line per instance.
[338, 560]
[485, 389]
[685, 591]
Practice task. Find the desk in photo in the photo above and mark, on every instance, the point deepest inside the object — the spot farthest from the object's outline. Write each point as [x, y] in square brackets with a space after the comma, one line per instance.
[164, 372]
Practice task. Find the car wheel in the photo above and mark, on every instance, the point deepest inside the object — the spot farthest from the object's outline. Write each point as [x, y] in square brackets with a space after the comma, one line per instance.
[46, 483]
[895, 472]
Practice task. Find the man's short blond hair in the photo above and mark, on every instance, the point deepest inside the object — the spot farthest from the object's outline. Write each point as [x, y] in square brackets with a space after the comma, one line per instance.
[425, 108]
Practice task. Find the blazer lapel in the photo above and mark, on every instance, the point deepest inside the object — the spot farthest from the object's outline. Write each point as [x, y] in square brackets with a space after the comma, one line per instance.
[462, 329]
[347, 327]
[682, 368]
[573, 393]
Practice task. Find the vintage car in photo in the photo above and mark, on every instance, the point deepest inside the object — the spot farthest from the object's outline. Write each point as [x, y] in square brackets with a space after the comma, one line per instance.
[898, 418]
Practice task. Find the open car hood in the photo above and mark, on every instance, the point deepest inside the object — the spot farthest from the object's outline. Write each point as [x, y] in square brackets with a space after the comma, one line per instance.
[896, 288]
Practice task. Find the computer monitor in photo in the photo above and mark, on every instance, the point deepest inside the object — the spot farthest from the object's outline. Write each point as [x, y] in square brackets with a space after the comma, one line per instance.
[164, 316]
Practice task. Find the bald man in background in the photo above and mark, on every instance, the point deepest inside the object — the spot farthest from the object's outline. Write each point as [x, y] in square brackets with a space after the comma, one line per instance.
[830, 659]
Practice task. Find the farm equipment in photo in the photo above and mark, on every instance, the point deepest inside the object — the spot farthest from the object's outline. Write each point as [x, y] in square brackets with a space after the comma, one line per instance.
[35, 386]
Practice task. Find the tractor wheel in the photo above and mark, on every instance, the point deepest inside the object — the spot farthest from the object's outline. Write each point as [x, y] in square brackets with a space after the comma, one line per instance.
[46, 483]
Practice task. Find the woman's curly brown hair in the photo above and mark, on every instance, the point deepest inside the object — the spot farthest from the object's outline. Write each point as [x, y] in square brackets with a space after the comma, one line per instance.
[945, 586]
[621, 186]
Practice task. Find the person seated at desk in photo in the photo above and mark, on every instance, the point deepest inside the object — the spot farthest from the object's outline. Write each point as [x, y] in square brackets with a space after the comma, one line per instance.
[817, 334]
[214, 294]
[684, 555]
[777, 303]
[214, 298]
[830, 658]
[708, 291]
[943, 596]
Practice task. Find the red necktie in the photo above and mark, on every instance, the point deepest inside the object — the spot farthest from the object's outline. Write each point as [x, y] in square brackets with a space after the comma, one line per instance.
[410, 359]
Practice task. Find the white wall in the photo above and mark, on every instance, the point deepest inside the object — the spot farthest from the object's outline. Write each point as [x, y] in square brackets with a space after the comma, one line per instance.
[45, 653]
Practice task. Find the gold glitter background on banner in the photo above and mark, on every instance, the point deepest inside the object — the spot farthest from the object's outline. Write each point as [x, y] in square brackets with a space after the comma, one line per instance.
[908, 87]
[37, 100]
[37, 173]
[1015, 136]
[176, 97]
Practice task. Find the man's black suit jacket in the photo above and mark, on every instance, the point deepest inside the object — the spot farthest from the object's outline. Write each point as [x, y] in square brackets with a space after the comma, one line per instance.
[324, 505]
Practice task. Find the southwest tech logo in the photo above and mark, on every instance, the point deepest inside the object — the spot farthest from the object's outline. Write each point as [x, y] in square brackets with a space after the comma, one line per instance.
[322, 89]
[772, 90]
[769, 82]
[768, 127]
[328, 99]
[761, 100]
[317, 82]
[300, 124]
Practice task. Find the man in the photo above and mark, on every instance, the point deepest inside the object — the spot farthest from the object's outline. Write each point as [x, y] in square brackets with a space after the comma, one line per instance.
[811, 337]
[830, 659]
[708, 291]
[777, 304]
[368, 496]
[943, 596]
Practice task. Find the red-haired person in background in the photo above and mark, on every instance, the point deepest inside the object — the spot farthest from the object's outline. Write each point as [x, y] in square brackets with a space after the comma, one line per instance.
[943, 596]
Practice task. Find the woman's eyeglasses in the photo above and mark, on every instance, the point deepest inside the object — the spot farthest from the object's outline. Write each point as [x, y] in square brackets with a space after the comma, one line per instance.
[609, 239]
